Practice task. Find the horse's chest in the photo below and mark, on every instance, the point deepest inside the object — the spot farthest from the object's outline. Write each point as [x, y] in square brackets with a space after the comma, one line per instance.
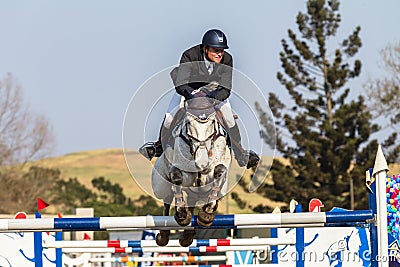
[196, 179]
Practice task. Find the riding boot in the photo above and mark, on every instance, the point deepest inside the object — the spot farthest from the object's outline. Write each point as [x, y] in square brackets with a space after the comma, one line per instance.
[155, 149]
[243, 157]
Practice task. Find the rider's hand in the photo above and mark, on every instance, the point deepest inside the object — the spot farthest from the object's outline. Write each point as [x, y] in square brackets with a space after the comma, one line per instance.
[188, 95]
[212, 94]
[212, 86]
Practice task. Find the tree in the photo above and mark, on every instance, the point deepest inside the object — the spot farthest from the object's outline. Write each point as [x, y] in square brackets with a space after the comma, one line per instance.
[24, 135]
[70, 194]
[324, 136]
[107, 198]
[111, 201]
[21, 189]
[385, 92]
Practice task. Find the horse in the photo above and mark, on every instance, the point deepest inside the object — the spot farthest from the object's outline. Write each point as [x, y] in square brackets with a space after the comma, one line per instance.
[193, 170]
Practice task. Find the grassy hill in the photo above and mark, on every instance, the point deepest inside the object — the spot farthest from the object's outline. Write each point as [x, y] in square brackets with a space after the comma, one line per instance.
[394, 169]
[111, 164]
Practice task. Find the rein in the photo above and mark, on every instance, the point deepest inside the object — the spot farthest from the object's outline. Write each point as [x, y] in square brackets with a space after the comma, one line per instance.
[189, 141]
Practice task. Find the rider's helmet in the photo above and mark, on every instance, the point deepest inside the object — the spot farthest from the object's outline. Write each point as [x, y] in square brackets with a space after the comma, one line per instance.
[215, 38]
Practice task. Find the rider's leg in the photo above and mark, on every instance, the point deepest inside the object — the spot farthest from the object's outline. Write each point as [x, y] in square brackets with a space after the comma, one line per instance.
[244, 158]
[155, 149]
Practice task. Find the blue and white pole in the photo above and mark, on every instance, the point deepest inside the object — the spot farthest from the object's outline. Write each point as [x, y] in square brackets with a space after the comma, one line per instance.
[288, 220]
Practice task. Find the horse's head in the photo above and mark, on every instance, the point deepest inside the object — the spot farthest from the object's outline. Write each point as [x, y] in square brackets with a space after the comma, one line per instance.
[201, 130]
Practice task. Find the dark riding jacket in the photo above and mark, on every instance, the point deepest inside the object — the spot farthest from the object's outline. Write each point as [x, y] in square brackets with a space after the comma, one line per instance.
[192, 73]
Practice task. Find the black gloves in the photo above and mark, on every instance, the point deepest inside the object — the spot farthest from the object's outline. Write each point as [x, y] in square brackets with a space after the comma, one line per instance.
[212, 94]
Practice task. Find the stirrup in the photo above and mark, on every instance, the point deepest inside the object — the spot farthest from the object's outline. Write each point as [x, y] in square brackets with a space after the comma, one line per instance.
[151, 150]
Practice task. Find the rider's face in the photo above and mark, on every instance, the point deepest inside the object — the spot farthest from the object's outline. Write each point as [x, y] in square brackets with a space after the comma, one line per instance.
[214, 54]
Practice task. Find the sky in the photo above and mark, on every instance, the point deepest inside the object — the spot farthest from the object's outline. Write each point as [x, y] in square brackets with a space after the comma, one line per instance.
[81, 62]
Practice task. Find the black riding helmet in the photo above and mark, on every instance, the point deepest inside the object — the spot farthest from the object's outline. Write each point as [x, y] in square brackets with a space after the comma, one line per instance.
[215, 38]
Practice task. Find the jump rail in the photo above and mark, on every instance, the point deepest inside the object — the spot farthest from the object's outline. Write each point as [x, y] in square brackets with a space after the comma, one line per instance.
[166, 249]
[226, 265]
[293, 220]
[172, 243]
[161, 259]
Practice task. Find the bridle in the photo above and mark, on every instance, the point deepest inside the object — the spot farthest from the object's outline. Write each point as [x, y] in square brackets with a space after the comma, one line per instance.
[194, 144]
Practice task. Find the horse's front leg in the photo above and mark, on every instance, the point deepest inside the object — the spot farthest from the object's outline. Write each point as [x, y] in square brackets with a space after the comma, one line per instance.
[162, 237]
[186, 238]
[207, 212]
[183, 216]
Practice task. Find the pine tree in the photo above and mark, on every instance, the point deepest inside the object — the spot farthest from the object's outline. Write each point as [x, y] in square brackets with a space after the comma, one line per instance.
[324, 135]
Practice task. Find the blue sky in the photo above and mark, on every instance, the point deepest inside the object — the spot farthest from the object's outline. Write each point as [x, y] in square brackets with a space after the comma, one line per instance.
[80, 62]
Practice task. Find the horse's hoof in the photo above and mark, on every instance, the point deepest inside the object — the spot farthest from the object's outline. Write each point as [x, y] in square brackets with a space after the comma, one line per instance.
[186, 238]
[162, 238]
[183, 218]
[205, 219]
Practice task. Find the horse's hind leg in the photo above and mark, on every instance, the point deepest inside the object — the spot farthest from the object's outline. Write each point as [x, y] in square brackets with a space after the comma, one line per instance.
[162, 237]
[182, 216]
[186, 238]
[207, 212]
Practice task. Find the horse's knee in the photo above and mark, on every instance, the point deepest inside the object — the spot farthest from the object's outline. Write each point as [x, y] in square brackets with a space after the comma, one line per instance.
[176, 176]
[220, 171]
[220, 174]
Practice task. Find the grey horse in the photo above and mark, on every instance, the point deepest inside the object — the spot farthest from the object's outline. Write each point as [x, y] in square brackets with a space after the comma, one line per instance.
[193, 170]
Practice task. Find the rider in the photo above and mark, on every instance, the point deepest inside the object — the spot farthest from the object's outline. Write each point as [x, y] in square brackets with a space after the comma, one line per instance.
[205, 64]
